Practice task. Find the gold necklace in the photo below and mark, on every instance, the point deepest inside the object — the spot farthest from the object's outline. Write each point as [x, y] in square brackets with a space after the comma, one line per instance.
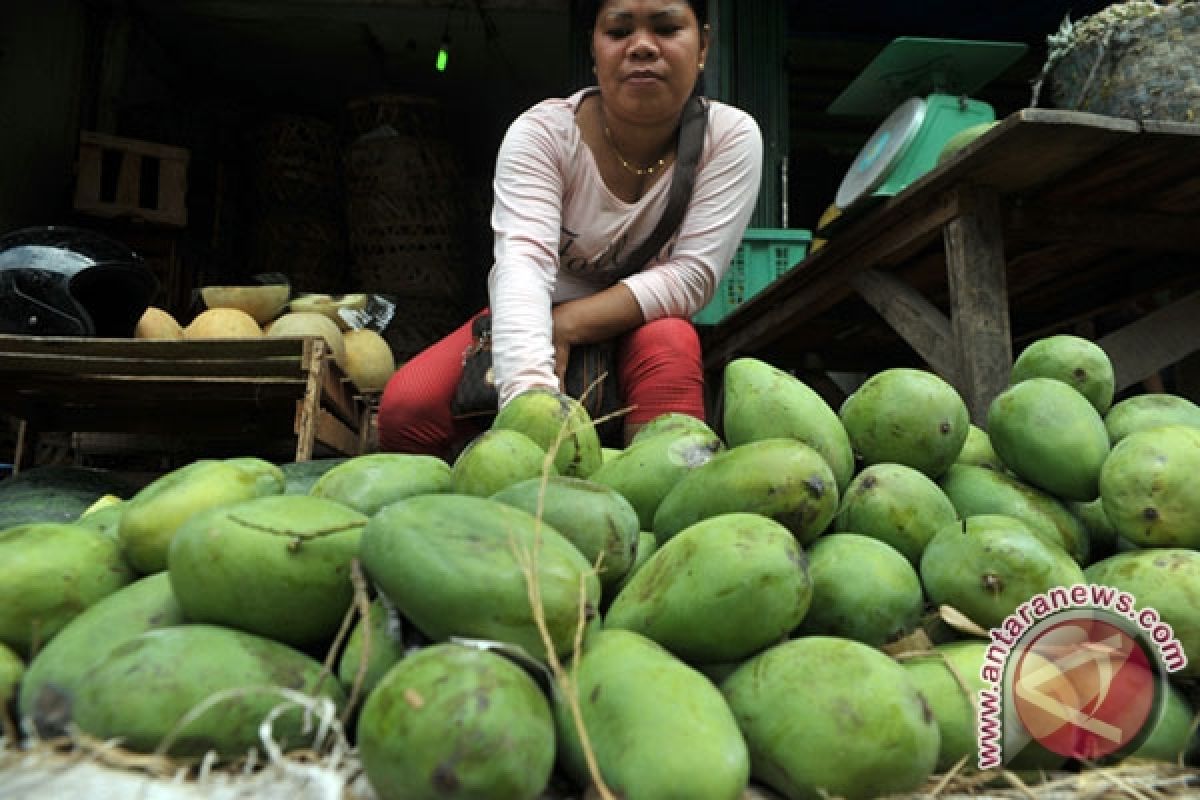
[639, 171]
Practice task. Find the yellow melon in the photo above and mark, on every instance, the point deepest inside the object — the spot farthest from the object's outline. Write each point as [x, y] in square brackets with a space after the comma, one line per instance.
[222, 323]
[369, 359]
[157, 324]
[310, 323]
[261, 302]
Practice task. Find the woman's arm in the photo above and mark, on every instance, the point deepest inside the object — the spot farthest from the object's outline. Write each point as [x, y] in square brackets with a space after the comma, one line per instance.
[526, 220]
[604, 315]
[722, 203]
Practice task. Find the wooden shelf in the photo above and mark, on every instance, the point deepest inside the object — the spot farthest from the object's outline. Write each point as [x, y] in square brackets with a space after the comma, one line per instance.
[253, 390]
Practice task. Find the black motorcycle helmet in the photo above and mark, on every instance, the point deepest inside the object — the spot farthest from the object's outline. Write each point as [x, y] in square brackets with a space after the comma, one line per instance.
[62, 281]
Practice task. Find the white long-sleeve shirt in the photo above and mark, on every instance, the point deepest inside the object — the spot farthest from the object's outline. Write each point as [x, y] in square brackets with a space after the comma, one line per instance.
[559, 231]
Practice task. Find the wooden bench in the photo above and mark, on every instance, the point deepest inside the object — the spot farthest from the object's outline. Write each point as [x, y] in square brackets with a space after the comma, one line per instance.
[1051, 220]
[257, 391]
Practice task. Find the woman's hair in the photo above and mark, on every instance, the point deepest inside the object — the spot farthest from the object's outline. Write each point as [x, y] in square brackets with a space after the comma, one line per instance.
[590, 9]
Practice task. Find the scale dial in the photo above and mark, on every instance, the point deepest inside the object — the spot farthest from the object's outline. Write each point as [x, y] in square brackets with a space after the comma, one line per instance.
[881, 152]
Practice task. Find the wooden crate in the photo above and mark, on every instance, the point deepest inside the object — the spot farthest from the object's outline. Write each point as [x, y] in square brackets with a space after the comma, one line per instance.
[260, 391]
[117, 179]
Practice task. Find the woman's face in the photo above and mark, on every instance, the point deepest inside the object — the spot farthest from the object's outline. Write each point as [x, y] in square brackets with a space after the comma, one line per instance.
[648, 55]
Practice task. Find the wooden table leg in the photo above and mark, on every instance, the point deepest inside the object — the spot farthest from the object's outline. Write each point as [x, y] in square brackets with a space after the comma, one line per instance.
[27, 441]
[979, 319]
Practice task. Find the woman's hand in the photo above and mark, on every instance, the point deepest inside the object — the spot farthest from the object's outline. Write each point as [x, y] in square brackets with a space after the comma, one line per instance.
[601, 316]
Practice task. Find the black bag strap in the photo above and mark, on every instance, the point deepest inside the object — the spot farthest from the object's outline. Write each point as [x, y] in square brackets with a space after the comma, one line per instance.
[687, 155]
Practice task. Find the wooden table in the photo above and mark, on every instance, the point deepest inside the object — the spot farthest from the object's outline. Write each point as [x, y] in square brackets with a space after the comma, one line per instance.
[267, 394]
[1051, 220]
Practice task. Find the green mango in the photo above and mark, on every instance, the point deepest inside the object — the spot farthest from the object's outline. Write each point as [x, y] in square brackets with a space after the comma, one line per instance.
[1166, 580]
[979, 490]
[52, 573]
[1172, 737]
[1149, 487]
[268, 476]
[61, 668]
[593, 517]
[141, 691]
[496, 458]
[294, 550]
[862, 589]
[897, 505]
[559, 424]
[1080, 363]
[949, 677]
[719, 590]
[674, 423]
[764, 402]
[906, 416]
[453, 566]
[829, 715]
[783, 479]
[12, 669]
[647, 545]
[106, 520]
[649, 468]
[385, 649]
[369, 482]
[977, 451]
[1050, 436]
[1144, 411]
[1101, 533]
[454, 722]
[658, 728]
[153, 515]
[988, 564]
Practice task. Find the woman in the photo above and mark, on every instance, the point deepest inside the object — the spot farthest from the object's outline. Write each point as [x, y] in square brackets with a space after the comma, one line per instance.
[579, 182]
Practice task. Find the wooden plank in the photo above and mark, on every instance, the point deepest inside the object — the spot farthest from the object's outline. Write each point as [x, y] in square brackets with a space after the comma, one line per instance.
[129, 181]
[336, 393]
[27, 438]
[139, 146]
[1118, 228]
[1158, 340]
[334, 433]
[18, 366]
[975, 271]
[217, 349]
[309, 405]
[1026, 149]
[917, 320]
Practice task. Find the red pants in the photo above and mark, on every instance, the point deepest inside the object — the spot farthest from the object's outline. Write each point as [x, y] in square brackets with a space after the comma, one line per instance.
[660, 371]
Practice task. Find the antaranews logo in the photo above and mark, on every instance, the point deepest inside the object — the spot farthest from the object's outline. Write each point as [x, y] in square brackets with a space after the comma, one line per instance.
[1079, 670]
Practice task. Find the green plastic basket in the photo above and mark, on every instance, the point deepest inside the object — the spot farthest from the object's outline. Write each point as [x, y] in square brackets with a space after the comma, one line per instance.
[764, 255]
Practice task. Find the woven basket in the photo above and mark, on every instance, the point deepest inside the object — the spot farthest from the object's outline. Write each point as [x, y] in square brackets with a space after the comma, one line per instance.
[1138, 60]
[295, 162]
[404, 213]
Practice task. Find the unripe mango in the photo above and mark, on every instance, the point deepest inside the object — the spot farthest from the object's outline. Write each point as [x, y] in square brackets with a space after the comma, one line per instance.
[457, 565]
[783, 479]
[719, 590]
[824, 714]
[453, 722]
[659, 729]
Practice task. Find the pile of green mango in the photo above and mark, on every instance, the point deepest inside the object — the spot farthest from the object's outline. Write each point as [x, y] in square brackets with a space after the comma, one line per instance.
[785, 601]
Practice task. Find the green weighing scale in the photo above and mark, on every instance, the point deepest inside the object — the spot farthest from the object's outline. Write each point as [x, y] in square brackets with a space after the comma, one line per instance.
[924, 84]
